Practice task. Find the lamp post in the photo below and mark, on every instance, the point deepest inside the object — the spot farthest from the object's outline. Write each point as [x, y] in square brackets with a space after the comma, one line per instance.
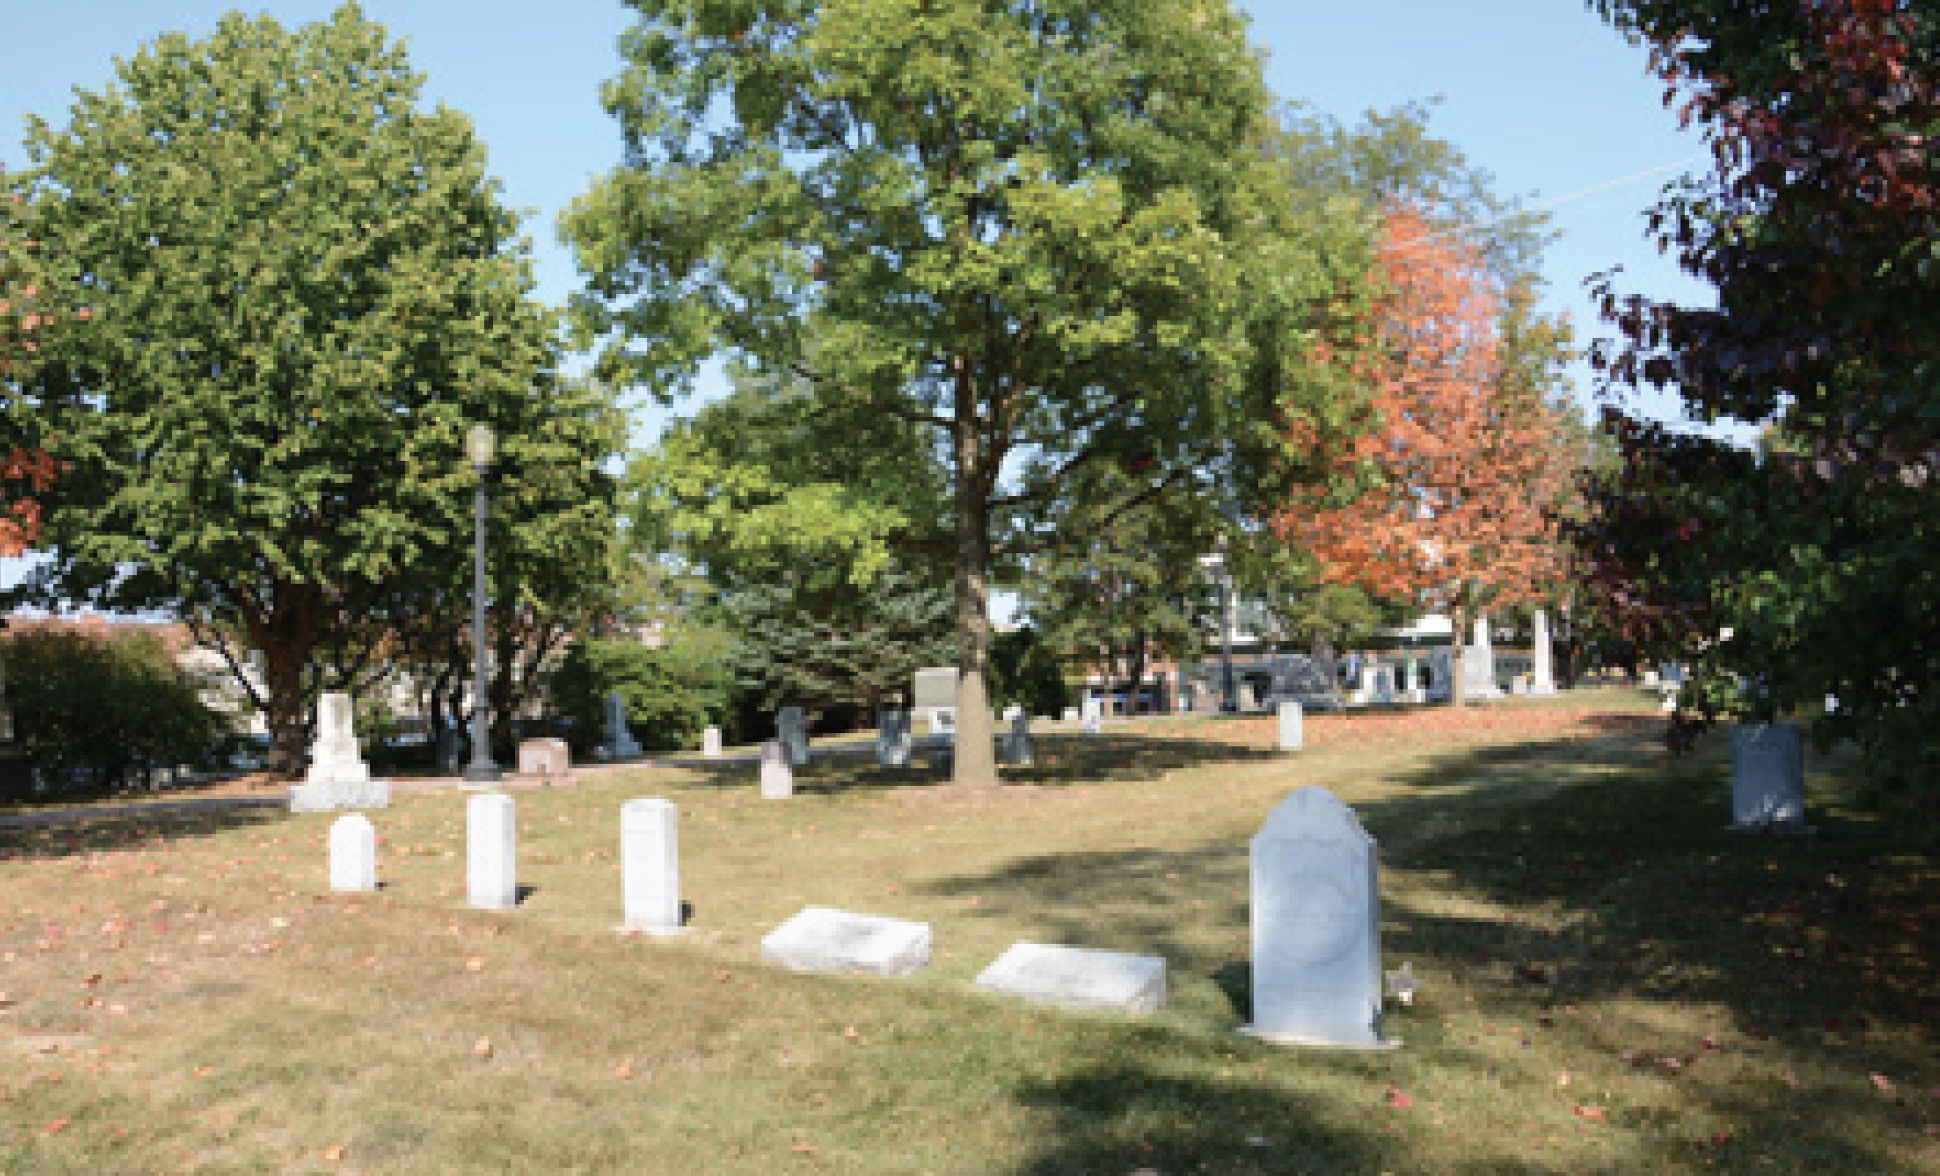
[479, 443]
[1217, 560]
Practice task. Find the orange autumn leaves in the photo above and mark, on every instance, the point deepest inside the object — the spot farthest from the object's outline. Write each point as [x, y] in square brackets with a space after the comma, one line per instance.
[1464, 462]
[22, 317]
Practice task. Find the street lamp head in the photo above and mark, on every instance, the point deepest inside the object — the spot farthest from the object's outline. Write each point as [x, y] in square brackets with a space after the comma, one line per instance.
[479, 443]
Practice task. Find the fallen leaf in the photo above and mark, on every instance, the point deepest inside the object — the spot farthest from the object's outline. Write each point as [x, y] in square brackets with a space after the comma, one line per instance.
[203, 1071]
[55, 1127]
[1882, 1082]
[333, 1153]
[1401, 1099]
[1594, 1114]
[473, 964]
[624, 1070]
[482, 1047]
[803, 1147]
[851, 1033]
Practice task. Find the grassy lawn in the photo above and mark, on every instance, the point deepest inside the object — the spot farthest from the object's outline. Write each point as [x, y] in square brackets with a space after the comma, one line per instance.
[1610, 981]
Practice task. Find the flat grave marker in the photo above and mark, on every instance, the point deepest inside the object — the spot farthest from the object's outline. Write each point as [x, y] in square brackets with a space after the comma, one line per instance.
[1078, 977]
[822, 939]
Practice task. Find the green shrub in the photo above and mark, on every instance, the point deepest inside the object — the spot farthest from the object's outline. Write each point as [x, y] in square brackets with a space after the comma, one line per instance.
[670, 693]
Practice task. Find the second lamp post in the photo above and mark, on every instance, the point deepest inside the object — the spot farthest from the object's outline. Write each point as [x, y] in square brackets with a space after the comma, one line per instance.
[479, 444]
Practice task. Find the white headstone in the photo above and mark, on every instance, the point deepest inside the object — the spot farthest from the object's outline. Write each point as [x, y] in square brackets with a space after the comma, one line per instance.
[353, 853]
[619, 743]
[1091, 709]
[1316, 926]
[819, 939]
[777, 778]
[711, 742]
[1069, 714]
[791, 728]
[491, 837]
[551, 760]
[933, 687]
[1767, 776]
[338, 777]
[943, 721]
[1078, 977]
[892, 738]
[1518, 685]
[1478, 664]
[650, 864]
[1249, 698]
[1292, 735]
[1650, 677]
[1542, 675]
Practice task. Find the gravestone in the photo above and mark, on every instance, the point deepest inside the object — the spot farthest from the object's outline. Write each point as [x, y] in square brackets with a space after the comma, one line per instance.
[791, 728]
[1441, 674]
[1078, 978]
[1010, 713]
[491, 842]
[1091, 708]
[550, 760]
[711, 742]
[1070, 714]
[1017, 744]
[1478, 664]
[650, 865]
[892, 737]
[450, 752]
[1519, 685]
[1249, 698]
[1292, 733]
[619, 743]
[1316, 926]
[1767, 777]
[1542, 674]
[337, 777]
[1650, 678]
[777, 777]
[820, 939]
[932, 690]
[943, 722]
[353, 853]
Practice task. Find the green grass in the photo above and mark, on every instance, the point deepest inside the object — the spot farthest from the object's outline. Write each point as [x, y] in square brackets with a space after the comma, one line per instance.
[1611, 982]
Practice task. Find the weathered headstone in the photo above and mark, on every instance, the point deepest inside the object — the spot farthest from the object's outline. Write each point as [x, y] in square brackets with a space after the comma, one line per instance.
[337, 777]
[1091, 707]
[1249, 698]
[1017, 743]
[777, 778]
[550, 760]
[892, 737]
[1078, 977]
[650, 865]
[932, 690]
[1441, 674]
[353, 853]
[1478, 664]
[619, 743]
[491, 842]
[1292, 733]
[791, 728]
[1316, 926]
[820, 939]
[1767, 777]
[1542, 674]
[711, 742]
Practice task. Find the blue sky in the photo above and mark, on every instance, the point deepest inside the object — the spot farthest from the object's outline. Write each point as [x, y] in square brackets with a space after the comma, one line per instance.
[1540, 92]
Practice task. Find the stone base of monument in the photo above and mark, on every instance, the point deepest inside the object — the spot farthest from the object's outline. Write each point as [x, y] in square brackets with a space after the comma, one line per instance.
[821, 939]
[325, 796]
[1078, 978]
[1778, 827]
[1372, 1043]
[631, 749]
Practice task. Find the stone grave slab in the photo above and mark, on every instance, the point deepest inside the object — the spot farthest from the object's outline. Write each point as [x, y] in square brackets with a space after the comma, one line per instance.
[822, 939]
[549, 760]
[711, 742]
[353, 854]
[338, 777]
[1292, 727]
[650, 865]
[791, 728]
[777, 778]
[1768, 777]
[491, 842]
[619, 743]
[1078, 977]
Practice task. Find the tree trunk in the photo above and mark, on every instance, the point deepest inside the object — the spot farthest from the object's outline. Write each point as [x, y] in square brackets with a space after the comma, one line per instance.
[283, 673]
[975, 759]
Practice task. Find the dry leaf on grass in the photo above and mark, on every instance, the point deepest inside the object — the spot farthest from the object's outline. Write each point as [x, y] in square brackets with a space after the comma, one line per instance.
[482, 1047]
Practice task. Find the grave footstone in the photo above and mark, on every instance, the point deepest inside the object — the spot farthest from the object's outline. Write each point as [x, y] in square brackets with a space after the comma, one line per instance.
[337, 777]
[549, 760]
[777, 777]
[353, 854]
[791, 728]
[1316, 926]
[650, 865]
[491, 841]
[821, 939]
[619, 743]
[1078, 977]
[711, 742]
[1767, 777]
[1292, 733]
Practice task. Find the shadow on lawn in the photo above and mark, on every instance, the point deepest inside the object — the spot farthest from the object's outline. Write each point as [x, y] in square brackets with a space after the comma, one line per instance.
[1619, 882]
[114, 830]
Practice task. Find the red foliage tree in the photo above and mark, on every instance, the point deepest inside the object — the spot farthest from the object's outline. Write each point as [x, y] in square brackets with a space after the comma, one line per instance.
[1448, 497]
[24, 316]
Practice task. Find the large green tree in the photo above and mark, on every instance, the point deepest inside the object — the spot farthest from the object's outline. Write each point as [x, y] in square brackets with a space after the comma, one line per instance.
[304, 290]
[1037, 230]
[1818, 227]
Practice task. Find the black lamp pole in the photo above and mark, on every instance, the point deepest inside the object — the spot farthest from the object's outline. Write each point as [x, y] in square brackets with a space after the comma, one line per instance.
[478, 446]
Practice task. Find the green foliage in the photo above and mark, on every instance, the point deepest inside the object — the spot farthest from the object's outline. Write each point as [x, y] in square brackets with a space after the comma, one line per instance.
[304, 290]
[101, 706]
[671, 692]
[1027, 670]
[1037, 232]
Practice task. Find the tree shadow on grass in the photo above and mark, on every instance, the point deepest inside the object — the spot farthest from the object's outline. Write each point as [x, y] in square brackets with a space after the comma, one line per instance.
[113, 830]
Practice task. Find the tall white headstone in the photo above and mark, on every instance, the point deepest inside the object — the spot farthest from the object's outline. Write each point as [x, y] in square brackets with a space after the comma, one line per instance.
[650, 864]
[777, 778]
[1478, 664]
[1542, 678]
[1092, 710]
[711, 742]
[791, 728]
[353, 853]
[1316, 926]
[1291, 733]
[1767, 776]
[491, 842]
[337, 777]
[620, 743]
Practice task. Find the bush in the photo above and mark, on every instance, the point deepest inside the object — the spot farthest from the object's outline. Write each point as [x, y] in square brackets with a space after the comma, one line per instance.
[92, 710]
[670, 694]
[1026, 671]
